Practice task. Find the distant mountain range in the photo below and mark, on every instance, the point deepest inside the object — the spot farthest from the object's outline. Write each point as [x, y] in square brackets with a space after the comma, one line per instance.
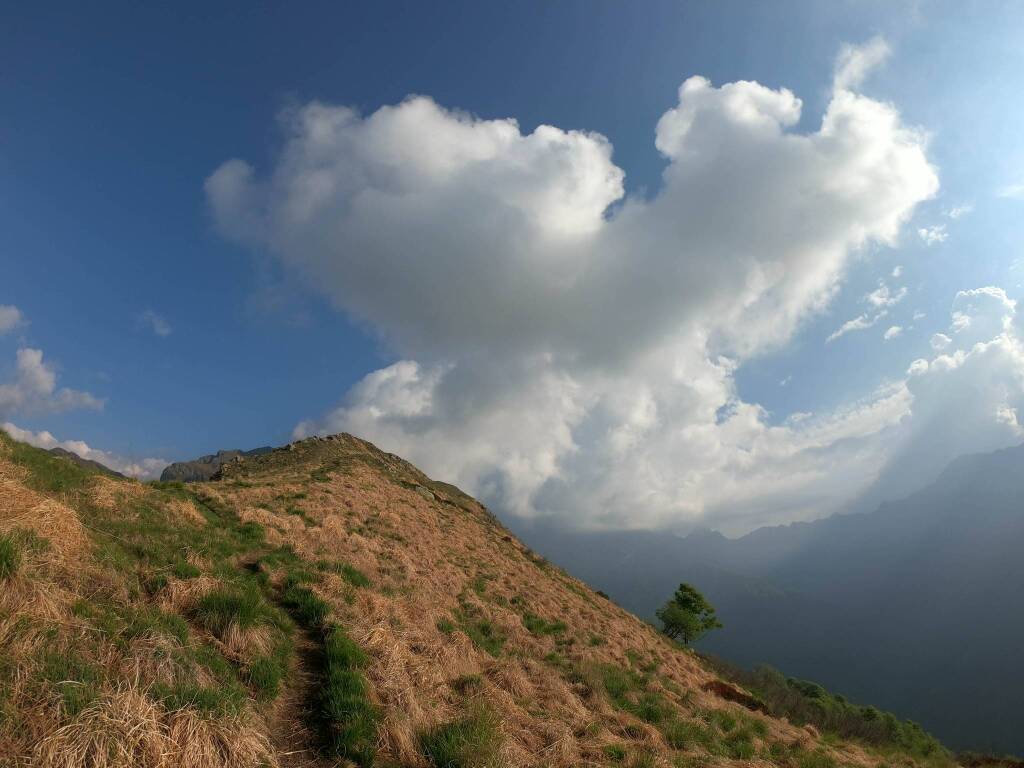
[916, 607]
[205, 467]
[85, 463]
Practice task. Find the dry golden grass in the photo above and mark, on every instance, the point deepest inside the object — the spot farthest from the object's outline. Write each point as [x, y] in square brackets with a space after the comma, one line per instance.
[429, 559]
[438, 565]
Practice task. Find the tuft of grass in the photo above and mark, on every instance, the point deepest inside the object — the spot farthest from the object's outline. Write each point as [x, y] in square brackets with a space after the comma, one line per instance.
[185, 570]
[76, 680]
[615, 752]
[219, 609]
[349, 573]
[225, 700]
[465, 684]
[307, 608]
[348, 717]
[471, 741]
[541, 626]
[484, 634]
[264, 676]
[10, 557]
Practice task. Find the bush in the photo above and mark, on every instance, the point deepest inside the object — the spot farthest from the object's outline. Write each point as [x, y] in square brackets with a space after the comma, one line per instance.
[469, 742]
[804, 702]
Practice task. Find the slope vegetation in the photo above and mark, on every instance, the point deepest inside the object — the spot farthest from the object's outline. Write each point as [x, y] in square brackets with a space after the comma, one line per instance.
[328, 604]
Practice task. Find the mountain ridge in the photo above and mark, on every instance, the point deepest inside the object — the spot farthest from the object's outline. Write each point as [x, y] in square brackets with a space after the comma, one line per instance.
[325, 602]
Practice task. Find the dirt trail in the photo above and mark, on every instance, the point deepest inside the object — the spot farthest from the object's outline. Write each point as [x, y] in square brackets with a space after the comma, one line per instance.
[291, 730]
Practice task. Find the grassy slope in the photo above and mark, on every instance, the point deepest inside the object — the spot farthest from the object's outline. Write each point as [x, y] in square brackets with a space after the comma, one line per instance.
[167, 625]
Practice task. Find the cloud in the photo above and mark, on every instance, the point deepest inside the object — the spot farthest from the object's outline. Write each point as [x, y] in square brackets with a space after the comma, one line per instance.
[880, 300]
[1011, 190]
[934, 234]
[859, 323]
[958, 211]
[34, 389]
[10, 318]
[882, 296]
[856, 61]
[140, 468]
[156, 323]
[892, 332]
[563, 348]
[965, 399]
[897, 271]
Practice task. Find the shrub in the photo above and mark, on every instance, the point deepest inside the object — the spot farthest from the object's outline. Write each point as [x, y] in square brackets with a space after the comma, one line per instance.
[472, 741]
[804, 702]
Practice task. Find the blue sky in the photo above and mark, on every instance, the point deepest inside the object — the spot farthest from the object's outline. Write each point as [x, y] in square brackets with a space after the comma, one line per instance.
[114, 120]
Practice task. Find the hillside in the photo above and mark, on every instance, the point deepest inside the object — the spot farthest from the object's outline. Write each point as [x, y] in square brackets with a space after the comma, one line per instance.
[328, 604]
[913, 607]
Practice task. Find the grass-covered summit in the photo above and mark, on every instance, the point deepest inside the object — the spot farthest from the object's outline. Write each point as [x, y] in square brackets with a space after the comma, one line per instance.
[328, 604]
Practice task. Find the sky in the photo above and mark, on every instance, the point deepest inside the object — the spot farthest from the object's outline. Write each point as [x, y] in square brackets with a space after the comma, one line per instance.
[672, 265]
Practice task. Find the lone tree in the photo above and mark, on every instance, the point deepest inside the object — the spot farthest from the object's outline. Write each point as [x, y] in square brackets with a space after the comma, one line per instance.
[687, 616]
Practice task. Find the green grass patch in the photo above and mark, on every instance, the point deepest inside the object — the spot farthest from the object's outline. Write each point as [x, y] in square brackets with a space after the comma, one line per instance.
[10, 557]
[541, 626]
[482, 631]
[264, 676]
[185, 570]
[305, 606]
[471, 741]
[48, 473]
[219, 609]
[349, 573]
[75, 679]
[348, 717]
[222, 700]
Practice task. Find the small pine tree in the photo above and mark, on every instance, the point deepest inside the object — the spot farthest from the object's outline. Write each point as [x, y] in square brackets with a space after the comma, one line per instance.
[687, 616]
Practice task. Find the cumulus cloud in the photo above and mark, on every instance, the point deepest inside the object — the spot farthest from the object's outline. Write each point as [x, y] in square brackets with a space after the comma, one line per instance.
[892, 332]
[155, 323]
[10, 318]
[965, 399]
[144, 469]
[564, 349]
[34, 389]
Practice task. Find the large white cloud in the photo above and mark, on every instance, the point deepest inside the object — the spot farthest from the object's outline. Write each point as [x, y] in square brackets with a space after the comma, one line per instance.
[138, 468]
[33, 389]
[570, 350]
